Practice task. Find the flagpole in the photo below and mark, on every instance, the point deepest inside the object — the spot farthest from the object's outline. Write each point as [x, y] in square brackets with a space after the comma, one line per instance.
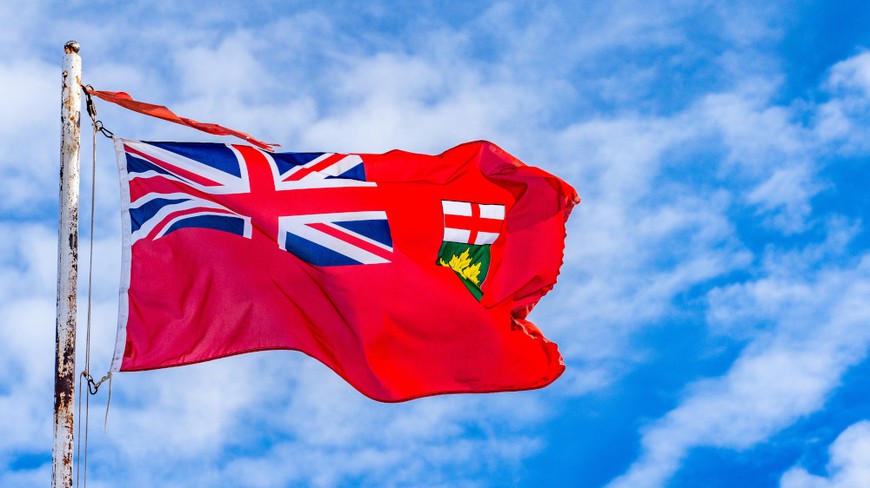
[67, 268]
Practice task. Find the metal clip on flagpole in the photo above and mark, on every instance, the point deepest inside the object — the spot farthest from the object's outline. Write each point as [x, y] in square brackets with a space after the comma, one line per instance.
[92, 112]
[93, 386]
[67, 265]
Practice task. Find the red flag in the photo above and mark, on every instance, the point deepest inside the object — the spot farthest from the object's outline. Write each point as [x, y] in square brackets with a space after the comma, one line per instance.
[161, 112]
[407, 274]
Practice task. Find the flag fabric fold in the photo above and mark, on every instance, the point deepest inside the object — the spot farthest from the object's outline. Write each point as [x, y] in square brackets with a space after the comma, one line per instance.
[407, 274]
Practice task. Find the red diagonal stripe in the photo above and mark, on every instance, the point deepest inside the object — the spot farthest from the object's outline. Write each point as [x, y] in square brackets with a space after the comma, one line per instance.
[305, 171]
[159, 183]
[179, 213]
[174, 169]
[351, 239]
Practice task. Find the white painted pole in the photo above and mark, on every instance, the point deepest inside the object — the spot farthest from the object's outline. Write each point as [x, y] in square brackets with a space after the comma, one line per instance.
[67, 268]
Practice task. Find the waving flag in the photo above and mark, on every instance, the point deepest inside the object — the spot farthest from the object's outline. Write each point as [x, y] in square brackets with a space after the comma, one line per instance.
[407, 274]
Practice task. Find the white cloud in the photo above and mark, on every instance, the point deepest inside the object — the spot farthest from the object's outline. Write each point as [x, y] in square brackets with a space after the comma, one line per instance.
[420, 104]
[300, 423]
[18, 33]
[785, 196]
[31, 109]
[819, 329]
[642, 235]
[852, 73]
[849, 464]
[27, 315]
[845, 115]
[26, 478]
[767, 150]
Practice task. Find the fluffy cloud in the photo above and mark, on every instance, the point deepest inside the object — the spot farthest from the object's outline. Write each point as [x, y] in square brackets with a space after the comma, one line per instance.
[33, 90]
[819, 329]
[807, 326]
[848, 110]
[849, 464]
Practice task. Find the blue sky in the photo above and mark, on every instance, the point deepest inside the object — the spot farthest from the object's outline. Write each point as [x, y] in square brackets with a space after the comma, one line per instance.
[713, 306]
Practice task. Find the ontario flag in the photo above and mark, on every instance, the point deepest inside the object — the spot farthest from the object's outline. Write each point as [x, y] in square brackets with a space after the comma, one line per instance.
[407, 274]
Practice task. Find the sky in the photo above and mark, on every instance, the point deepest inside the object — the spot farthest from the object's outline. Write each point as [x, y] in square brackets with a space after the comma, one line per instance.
[713, 309]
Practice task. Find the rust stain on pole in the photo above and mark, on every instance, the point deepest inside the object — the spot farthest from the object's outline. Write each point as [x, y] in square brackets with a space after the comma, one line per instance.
[67, 268]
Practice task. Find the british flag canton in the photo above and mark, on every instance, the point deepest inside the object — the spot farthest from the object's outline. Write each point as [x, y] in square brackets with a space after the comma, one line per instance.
[249, 193]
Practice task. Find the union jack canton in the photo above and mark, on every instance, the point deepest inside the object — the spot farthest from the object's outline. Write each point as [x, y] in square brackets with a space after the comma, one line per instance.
[317, 206]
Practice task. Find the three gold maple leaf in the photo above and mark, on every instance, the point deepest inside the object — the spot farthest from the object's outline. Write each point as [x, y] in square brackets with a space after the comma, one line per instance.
[462, 265]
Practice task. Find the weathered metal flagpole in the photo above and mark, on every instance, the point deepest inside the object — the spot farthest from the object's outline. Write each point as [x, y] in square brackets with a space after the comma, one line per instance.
[67, 268]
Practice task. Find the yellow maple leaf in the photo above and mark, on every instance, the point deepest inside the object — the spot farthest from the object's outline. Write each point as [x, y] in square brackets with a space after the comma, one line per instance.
[472, 273]
[462, 265]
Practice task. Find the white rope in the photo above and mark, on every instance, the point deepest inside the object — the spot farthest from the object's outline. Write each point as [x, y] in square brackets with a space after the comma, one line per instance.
[82, 466]
[91, 386]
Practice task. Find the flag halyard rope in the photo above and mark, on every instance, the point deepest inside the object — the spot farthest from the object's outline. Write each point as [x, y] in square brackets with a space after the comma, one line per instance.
[93, 386]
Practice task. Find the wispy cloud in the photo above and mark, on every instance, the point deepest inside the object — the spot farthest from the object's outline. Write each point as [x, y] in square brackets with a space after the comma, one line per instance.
[817, 319]
[849, 463]
[819, 329]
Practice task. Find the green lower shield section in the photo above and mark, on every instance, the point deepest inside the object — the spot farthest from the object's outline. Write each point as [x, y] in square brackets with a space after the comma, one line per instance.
[470, 262]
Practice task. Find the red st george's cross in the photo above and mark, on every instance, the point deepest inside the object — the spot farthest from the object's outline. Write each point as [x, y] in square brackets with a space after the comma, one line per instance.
[472, 223]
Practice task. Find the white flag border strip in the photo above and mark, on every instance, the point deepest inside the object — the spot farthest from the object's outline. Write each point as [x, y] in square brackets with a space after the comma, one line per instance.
[461, 208]
[126, 257]
[299, 225]
[126, 226]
